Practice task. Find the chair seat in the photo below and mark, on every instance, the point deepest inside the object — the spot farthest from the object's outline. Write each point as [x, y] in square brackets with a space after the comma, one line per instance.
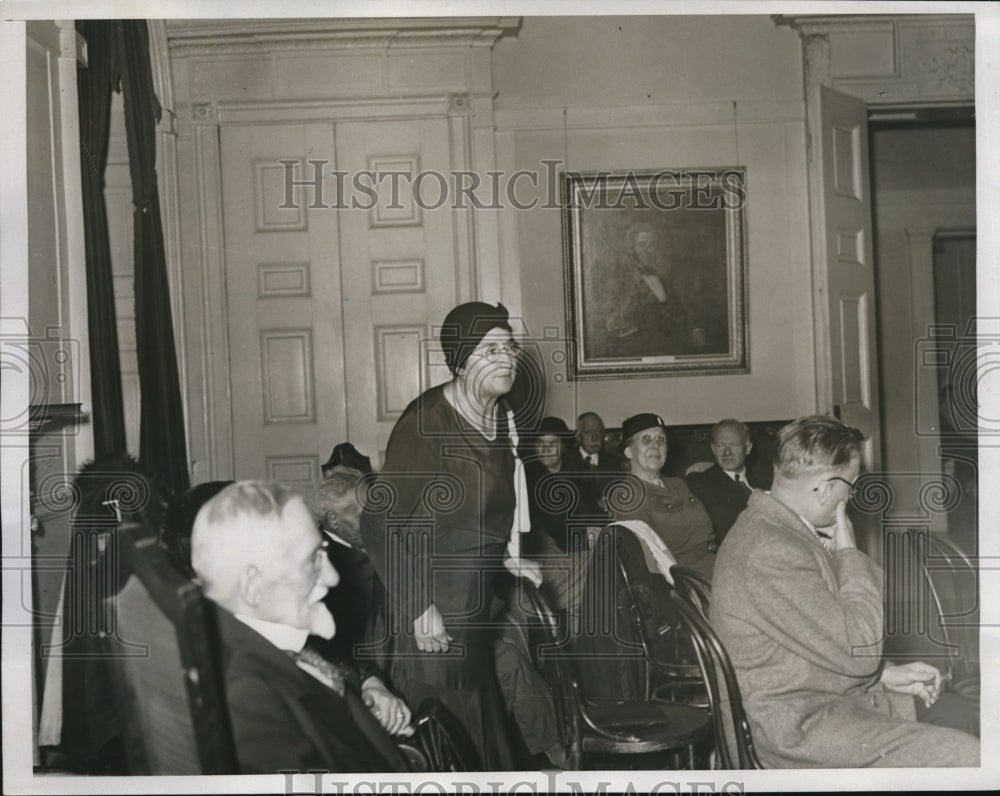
[635, 726]
[684, 690]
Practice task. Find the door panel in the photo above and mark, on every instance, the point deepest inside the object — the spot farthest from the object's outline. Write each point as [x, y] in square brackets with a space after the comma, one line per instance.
[850, 279]
[284, 303]
[399, 270]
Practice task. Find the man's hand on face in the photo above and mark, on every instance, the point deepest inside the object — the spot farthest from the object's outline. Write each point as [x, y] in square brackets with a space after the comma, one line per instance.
[843, 530]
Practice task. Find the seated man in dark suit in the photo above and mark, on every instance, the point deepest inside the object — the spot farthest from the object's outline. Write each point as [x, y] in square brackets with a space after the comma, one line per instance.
[260, 558]
[725, 486]
[595, 465]
[590, 454]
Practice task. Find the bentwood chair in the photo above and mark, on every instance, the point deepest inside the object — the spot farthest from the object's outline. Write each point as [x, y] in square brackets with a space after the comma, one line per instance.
[593, 730]
[952, 585]
[626, 631]
[693, 587]
[733, 739]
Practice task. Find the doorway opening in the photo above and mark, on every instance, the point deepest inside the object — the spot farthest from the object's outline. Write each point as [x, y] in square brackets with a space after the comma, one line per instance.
[923, 180]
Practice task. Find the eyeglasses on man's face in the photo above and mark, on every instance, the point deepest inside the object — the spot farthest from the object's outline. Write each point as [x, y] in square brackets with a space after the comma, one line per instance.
[850, 485]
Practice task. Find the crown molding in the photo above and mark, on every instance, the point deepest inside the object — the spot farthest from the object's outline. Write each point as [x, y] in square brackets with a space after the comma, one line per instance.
[252, 35]
[818, 24]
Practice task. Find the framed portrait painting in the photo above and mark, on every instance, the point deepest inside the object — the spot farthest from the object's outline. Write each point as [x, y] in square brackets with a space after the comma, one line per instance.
[655, 272]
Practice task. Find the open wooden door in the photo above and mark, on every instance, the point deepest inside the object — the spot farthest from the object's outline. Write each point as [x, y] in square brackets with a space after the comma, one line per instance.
[850, 280]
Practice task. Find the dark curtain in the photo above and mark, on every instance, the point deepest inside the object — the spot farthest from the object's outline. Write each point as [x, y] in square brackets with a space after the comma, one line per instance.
[161, 430]
[94, 86]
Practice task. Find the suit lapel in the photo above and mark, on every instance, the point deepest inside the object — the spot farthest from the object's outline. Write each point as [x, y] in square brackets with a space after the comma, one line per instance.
[342, 728]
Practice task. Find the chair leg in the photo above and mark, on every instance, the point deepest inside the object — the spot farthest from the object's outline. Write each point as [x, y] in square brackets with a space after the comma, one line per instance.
[574, 755]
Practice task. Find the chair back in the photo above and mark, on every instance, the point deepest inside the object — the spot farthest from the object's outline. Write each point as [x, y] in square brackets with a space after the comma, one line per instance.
[733, 738]
[550, 656]
[610, 633]
[443, 740]
[693, 587]
[168, 688]
[952, 583]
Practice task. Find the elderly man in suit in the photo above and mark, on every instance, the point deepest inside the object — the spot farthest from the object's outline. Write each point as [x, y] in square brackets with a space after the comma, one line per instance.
[590, 453]
[725, 487]
[594, 465]
[799, 609]
[259, 556]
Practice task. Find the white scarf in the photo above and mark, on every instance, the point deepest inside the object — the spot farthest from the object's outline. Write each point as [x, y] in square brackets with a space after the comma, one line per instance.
[522, 515]
[653, 544]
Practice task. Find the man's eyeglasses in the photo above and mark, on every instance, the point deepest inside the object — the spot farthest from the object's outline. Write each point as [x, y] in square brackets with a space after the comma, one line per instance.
[493, 351]
[850, 485]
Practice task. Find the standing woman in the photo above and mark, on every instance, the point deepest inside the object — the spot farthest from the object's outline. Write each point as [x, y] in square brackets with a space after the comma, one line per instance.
[438, 524]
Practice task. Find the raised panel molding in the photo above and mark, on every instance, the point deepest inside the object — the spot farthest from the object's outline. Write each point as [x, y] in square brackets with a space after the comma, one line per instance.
[851, 246]
[396, 205]
[847, 161]
[287, 376]
[399, 374]
[292, 469]
[398, 276]
[283, 280]
[855, 388]
[271, 212]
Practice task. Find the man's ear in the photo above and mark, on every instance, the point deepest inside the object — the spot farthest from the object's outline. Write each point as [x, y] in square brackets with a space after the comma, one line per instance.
[250, 585]
[747, 448]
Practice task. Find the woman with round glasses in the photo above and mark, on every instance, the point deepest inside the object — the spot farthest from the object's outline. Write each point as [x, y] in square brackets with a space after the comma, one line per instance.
[665, 504]
[439, 522]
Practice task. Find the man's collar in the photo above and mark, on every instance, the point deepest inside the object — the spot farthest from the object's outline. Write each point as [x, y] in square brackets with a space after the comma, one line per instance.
[334, 538]
[825, 539]
[284, 637]
[742, 473]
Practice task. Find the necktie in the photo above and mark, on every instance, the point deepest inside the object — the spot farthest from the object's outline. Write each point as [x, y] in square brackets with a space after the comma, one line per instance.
[592, 461]
[319, 667]
[327, 673]
[739, 480]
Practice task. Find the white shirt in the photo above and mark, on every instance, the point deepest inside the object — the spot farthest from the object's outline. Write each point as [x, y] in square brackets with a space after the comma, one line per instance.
[589, 457]
[284, 637]
[741, 473]
[824, 539]
[289, 639]
[334, 538]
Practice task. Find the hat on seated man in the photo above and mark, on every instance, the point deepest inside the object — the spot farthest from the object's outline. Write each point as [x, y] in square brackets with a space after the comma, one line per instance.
[259, 556]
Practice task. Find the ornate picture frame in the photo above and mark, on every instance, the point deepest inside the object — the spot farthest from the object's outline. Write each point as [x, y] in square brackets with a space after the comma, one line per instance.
[655, 272]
